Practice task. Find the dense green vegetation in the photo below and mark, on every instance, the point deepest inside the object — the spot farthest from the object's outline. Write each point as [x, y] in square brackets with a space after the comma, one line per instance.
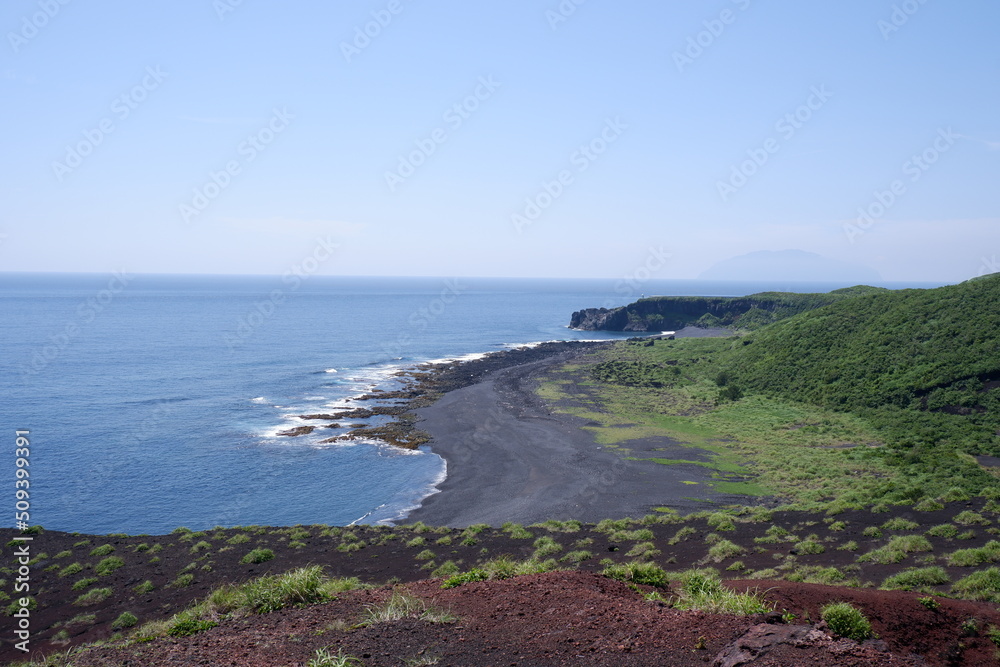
[746, 312]
[916, 371]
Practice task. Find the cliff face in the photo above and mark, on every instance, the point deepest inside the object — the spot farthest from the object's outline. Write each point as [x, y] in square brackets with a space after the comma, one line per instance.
[670, 313]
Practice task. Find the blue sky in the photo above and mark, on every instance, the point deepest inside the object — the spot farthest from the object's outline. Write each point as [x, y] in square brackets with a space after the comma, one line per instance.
[587, 137]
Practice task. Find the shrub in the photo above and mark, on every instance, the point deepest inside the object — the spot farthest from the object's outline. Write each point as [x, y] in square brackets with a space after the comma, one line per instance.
[238, 538]
[954, 494]
[577, 556]
[64, 554]
[80, 584]
[304, 585]
[144, 587]
[872, 531]
[404, 605]
[817, 575]
[968, 518]
[498, 568]
[546, 546]
[298, 534]
[426, 554]
[916, 578]
[124, 620]
[445, 541]
[988, 553]
[475, 574]
[766, 573]
[185, 627]
[882, 556]
[256, 596]
[517, 531]
[70, 569]
[928, 505]
[810, 545]
[611, 525]
[102, 550]
[200, 546]
[82, 619]
[721, 521]
[647, 574]
[183, 580]
[417, 542]
[702, 590]
[93, 596]
[910, 543]
[848, 546]
[725, 549]
[930, 603]
[943, 530]
[108, 565]
[446, 569]
[682, 534]
[899, 523]
[16, 606]
[773, 535]
[643, 550]
[846, 621]
[257, 556]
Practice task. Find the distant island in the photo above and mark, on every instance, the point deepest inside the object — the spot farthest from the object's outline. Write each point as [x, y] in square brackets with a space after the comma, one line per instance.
[790, 265]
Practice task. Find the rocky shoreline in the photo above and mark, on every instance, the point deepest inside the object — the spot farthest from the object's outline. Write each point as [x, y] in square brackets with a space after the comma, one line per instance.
[423, 385]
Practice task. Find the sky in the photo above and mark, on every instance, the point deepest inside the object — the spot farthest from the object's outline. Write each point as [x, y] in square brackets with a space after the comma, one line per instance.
[581, 138]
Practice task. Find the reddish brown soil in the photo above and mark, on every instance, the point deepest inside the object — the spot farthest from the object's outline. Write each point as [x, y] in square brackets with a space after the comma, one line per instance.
[571, 618]
[61, 621]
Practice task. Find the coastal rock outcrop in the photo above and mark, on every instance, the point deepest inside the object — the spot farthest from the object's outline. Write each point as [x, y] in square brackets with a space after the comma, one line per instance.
[671, 313]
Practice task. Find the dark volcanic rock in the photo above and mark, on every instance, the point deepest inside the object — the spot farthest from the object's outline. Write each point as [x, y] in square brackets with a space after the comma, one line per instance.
[298, 430]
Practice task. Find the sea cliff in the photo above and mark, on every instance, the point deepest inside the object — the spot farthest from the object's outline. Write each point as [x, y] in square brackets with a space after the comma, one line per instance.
[660, 313]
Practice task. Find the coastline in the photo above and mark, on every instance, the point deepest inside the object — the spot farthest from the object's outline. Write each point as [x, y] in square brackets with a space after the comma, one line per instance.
[509, 458]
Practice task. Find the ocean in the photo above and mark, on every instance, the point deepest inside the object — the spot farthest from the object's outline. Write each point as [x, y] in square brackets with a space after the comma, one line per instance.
[154, 401]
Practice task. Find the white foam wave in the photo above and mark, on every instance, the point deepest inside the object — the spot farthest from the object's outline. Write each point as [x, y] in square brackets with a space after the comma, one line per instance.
[330, 370]
[472, 356]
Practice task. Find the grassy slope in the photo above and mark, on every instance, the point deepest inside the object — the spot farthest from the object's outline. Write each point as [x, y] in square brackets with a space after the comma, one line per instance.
[912, 369]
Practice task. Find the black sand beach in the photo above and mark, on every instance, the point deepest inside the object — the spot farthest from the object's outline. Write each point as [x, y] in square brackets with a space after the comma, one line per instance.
[510, 459]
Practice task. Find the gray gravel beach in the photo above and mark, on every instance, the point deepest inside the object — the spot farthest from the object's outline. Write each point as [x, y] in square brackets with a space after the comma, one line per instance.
[510, 459]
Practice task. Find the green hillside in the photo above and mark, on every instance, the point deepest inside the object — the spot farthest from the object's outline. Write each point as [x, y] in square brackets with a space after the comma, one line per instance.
[919, 368]
[658, 313]
[933, 353]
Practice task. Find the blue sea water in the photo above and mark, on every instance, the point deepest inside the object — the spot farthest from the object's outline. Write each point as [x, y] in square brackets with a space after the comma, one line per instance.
[154, 401]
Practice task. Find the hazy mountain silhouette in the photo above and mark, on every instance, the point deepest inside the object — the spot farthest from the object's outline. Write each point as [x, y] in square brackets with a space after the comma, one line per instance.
[797, 265]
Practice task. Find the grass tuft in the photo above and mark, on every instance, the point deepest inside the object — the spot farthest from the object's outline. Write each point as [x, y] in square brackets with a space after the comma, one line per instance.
[647, 574]
[404, 605]
[846, 621]
[257, 556]
[702, 590]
